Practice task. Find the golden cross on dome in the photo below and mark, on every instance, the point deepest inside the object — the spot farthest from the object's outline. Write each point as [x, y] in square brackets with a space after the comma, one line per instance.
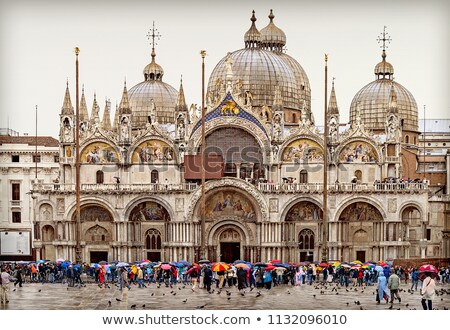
[153, 33]
[385, 38]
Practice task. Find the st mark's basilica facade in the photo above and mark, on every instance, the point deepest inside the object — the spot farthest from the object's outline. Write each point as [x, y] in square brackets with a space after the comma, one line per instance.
[140, 175]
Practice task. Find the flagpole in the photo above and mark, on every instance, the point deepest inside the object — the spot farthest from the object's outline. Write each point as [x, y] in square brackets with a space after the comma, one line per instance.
[325, 169]
[35, 149]
[78, 256]
[203, 202]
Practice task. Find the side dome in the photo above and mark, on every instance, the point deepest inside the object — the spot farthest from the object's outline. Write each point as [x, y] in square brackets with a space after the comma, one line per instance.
[272, 37]
[164, 97]
[153, 88]
[373, 102]
[260, 71]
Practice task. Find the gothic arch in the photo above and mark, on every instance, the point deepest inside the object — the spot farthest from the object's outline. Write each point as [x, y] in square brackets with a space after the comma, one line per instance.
[71, 209]
[101, 143]
[351, 200]
[97, 234]
[370, 142]
[257, 199]
[295, 137]
[139, 142]
[294, 200]
[214, 231]
[46, 212]
[405, 205]
[135, 202]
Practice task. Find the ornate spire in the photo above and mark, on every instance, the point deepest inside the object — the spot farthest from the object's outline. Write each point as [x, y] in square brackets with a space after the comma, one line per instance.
[393, 100]
[384, 69]
[84, 116]
[252, 37]
[67, 108]
[332, 105]
[153, 71]
[106, 122]
[124, 107]
[95, 117]
[181, 101]
[116, 119]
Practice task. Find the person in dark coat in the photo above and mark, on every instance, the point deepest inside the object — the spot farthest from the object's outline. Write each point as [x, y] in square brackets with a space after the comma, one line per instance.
[241, 276]
[207, 279]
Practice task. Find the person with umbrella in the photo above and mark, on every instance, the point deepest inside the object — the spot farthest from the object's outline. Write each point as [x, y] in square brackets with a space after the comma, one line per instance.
[193, 273]
[123, 279]
[268, 279]
[140, 278]
[241, 278]
[428, 291]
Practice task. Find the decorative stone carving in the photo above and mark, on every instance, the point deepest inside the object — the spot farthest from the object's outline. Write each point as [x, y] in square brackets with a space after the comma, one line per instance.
[392, 205]
[273, 205]
[179, 204]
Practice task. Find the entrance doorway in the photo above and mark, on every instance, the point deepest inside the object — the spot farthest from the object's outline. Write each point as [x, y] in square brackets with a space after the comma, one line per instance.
[230, 251]
[97, 256]
[306, 256]
[361, 256]
[154, 256]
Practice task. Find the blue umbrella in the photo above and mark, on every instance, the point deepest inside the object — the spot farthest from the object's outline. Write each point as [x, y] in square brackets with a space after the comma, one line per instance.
[184, 262]
[240, 262]
[122, 264]
[378, 268]
[65, 264]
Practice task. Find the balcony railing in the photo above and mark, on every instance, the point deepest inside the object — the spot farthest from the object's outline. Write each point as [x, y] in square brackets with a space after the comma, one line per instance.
[134, 187]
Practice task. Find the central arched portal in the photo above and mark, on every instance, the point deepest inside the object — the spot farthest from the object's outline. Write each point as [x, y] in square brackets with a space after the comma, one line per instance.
[229, 247]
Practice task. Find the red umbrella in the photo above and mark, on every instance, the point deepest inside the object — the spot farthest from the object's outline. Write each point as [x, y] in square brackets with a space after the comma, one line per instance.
[428, 269]
[190, 270]
[274, 261]
[270, 267]
[382, 264]
[323, 264]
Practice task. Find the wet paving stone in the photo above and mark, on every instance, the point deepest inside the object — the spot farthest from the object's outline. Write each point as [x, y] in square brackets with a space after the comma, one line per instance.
[315, 297]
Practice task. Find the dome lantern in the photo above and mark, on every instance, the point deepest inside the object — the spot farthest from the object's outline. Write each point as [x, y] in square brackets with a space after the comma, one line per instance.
[252, 37]
[272, 37]
[153, 71]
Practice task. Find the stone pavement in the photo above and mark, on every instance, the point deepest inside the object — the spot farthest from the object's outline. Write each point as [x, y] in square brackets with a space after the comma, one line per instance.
[91, 297]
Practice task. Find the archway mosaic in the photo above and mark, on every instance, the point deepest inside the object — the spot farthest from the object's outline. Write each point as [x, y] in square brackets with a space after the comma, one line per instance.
[358, 152]
[303, 150]
[149, 211]
[153, 151]
[229, 203]
[98, 153]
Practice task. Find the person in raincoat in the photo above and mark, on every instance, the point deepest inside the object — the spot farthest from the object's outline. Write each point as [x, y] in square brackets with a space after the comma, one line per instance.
[428, 291]
[393, 285]
[123, 278]
[382, 293]
[268, 279]
[140, 278]
[241, 276]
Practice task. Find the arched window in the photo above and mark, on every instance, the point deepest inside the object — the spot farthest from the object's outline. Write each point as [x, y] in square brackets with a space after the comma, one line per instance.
[153, 244]
[303, 176]
[154, 177]
[99, 177]
[406, 138]
[358, 175]
[306, 244]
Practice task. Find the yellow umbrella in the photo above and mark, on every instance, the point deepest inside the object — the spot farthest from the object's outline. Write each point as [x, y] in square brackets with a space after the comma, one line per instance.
[357, 262]
[337, 263]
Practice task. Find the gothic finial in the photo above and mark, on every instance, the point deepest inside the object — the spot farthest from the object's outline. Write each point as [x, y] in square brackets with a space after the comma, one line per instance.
[152, 34]
[384, 38]
[271, 16]
[253, 18]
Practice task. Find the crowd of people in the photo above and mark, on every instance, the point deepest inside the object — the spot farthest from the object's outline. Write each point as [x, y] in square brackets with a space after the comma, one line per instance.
[241, 274]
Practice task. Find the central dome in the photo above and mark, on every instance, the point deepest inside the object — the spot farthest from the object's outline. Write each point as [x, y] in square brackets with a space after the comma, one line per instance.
[261, 66]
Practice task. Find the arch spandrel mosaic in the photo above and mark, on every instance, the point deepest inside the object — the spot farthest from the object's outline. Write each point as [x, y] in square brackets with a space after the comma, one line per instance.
[304, 211]
[152, 151]
[94, 213]
[149, 211]
[303, 150]
[358, 152]
[229, 203]
[360, 211]
[98, 153]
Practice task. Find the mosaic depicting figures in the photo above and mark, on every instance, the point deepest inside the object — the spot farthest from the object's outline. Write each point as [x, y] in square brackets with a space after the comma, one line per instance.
[304, 211]
[149, 211]
[99, 153]
[94, 213]
[360, 211]
[229, 203]
[303, 150]
[153, 151]
[358, 152]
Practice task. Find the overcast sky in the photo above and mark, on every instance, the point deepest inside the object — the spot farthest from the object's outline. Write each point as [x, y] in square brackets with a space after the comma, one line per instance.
[37, 39]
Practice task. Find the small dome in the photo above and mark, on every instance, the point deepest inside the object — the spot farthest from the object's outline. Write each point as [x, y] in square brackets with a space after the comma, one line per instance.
[272, 37]
[252, 37]
[384, 69]
[153, 71]
[164, 97]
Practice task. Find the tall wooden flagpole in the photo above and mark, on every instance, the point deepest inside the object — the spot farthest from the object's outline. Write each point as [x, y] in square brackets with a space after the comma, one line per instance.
[203, 202]
[78, 256]
[325, 169]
